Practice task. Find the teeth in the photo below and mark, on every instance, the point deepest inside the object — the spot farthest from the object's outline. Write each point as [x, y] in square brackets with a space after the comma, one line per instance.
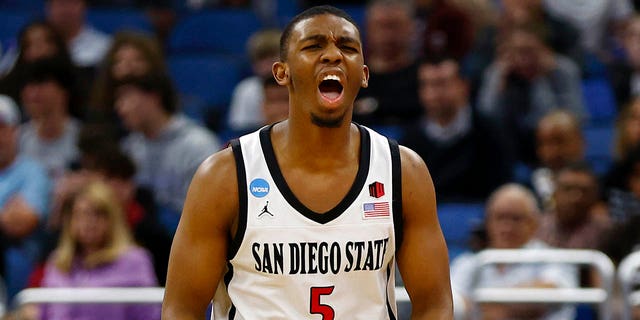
[331, 77]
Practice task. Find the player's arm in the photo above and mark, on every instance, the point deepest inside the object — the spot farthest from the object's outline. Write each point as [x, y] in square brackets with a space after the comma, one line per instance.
[422, 256]
[199, 250]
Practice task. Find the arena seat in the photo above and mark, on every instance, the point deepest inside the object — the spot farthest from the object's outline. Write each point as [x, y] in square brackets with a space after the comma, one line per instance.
[11, 22]
[29, 5]
[118, 19]
[221, 31]
[458, 220]
[286, 9]
[599, 146]
[599, 99]
[204, 82]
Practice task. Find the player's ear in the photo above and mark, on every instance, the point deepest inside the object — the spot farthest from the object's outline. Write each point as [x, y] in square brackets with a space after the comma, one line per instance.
[365, 76]
[280, 72]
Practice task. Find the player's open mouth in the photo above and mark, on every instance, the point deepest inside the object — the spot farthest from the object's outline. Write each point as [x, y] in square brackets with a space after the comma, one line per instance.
[331, 88]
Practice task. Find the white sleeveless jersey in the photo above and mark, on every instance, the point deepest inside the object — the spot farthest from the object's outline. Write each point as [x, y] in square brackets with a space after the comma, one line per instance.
[288, 262]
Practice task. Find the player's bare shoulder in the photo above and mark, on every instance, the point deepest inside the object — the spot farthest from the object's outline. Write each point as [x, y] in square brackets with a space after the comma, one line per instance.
[412, 163]
[213, 194]
[418, 194]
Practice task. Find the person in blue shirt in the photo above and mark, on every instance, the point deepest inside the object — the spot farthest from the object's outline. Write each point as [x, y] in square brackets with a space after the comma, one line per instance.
[24, 200]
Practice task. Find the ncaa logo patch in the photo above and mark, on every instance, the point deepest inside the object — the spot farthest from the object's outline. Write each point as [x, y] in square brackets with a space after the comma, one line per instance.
[259, 187]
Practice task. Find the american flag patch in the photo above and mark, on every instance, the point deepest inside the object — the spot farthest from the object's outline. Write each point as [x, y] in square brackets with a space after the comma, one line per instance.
[376, 209]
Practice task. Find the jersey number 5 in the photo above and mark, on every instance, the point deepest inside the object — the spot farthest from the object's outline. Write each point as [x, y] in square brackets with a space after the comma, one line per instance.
[316, 307]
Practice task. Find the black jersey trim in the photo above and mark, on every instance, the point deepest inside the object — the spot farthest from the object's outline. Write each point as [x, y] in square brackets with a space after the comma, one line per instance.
[392, 316]
[227, 279]
[396, 174]
[242, 199]
[350, 197]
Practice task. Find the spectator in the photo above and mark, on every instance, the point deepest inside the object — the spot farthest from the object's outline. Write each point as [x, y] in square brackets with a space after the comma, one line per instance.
[38, 39]
[467, 155]
[165, 146]
[484, 16]
[525, 81]
[245, 112]
[448, 28]
[392, 95]
[559, 142]
[86, 44]
[627, 130]
[130, 54]
[266, 10]
[24, 200]
[598, 22]
[578, 219]
[562, 37]
[102, 160]
[48, 96]
[623, 190]
[512, 218]
[96, 250]
[624, 74]
[275, 106]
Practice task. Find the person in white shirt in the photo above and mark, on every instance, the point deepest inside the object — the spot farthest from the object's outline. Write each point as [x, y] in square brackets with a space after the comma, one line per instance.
[511, 220]
[86, 44]
[245, 110]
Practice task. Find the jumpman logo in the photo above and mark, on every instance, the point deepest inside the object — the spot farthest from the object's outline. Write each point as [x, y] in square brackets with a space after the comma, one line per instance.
[265, 210]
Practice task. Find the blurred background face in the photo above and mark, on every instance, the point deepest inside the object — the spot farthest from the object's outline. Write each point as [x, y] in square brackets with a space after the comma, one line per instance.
[632, 42]
[523, 51]
[66, 15]
[442, 91]
[44, 99]
[576, 193]
[389, 30]
[262, 67]
[132, 107]
[558, 145]
[124, 189]
[128, 61]
[510, 222]
[89, 226]
[38, 43]
[519, 11]
[276, 103]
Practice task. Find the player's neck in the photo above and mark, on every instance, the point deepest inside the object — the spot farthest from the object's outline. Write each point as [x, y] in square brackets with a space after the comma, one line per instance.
[317, 143]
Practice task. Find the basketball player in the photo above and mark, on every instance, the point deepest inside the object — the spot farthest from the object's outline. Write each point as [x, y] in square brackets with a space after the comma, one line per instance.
[345, 204]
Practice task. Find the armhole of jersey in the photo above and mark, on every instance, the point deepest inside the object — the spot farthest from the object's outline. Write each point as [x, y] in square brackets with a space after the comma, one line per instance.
[242, 199]
[396, 173]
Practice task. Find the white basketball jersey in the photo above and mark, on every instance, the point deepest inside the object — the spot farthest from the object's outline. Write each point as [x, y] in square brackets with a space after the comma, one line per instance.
[288, 262]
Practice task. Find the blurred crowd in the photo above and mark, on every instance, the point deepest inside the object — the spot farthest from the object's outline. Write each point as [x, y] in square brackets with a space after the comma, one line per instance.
[531, 107]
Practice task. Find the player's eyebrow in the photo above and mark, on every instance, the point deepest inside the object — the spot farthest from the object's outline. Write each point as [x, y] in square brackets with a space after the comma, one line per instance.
[319, 37]
[315, 37]
[345, 39]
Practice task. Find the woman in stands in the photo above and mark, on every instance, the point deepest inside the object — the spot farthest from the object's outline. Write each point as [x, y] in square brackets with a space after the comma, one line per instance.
[131, 53]
[96, 249]
[36, 40]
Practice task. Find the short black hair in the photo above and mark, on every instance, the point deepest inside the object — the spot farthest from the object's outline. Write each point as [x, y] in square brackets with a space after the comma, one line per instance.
[154, 82]
[54, 68]
[59, 69]
[309, 13]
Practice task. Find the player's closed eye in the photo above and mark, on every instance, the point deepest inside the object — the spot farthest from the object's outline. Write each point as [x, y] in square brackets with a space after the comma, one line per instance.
[313, 46]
